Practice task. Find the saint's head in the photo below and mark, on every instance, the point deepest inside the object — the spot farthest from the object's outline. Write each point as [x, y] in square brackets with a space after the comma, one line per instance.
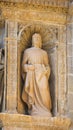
[36, 40]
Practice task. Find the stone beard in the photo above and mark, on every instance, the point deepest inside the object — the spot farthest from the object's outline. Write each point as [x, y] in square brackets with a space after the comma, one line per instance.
[36, 93]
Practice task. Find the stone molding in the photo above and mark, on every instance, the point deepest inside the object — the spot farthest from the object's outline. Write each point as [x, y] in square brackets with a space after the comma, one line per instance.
[60, 3]
[33, 6]
[52, 15]
[32, 122]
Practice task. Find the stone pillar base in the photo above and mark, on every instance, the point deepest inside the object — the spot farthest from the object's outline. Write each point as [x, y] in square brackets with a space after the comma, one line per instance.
[23, 122]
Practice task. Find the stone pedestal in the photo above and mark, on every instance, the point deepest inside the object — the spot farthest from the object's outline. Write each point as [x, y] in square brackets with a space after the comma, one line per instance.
[23, 122]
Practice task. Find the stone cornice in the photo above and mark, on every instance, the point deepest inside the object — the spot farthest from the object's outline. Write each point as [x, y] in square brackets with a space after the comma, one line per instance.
[51, 13]
[59, 3]
[33, 6]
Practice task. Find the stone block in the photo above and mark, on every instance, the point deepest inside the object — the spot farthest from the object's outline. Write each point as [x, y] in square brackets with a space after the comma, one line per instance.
[70, 33]
[22, 122]
[70, 101]
[69, 49]
[70, 83]
[70, 115]
[70, 64]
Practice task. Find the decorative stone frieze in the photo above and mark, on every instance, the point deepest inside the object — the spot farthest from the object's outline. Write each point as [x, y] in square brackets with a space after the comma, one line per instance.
[15, 10]
[59, 3]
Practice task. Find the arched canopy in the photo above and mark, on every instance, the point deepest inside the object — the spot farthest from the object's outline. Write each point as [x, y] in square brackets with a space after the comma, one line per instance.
[48, 33]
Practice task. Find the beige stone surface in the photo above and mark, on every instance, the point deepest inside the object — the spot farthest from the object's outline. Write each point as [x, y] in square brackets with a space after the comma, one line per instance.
[70, 61]
[12, 65]
[36, 123]
[70, 83]
[43, 2]
[58, 14]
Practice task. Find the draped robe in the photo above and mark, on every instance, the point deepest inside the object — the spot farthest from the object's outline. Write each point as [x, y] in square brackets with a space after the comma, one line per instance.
[36, 93]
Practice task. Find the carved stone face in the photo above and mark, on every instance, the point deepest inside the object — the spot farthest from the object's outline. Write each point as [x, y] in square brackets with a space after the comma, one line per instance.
[36, 40]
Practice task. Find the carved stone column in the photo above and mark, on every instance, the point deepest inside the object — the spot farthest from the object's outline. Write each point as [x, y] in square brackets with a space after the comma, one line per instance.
[11, 66]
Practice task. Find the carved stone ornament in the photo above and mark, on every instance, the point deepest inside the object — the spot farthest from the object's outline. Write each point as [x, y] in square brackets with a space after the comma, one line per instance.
[48, 33]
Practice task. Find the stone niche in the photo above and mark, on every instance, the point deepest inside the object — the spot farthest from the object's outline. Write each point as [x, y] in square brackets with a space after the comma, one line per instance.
[49, 36]
[18, 40]
[20, 24]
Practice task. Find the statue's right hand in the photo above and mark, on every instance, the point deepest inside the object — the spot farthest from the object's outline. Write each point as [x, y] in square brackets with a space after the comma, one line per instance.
[31, 67]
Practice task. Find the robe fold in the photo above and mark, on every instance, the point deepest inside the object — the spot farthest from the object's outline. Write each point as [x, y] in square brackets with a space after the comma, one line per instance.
[36, 93]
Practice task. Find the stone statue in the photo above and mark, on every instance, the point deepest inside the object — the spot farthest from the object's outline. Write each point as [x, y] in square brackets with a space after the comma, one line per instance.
[36, 92]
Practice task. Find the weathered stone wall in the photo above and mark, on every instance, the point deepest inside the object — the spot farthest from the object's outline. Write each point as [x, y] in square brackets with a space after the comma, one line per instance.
[70, 61]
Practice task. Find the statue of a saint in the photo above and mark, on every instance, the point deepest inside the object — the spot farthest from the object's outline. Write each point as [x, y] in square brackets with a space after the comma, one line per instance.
[36, 92]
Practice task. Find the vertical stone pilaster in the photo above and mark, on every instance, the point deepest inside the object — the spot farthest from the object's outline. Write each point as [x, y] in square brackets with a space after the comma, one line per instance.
[53, 80]
[12, 67]
[62, 71]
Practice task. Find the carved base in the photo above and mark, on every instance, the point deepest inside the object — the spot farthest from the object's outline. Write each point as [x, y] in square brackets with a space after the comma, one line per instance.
[23, 122]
